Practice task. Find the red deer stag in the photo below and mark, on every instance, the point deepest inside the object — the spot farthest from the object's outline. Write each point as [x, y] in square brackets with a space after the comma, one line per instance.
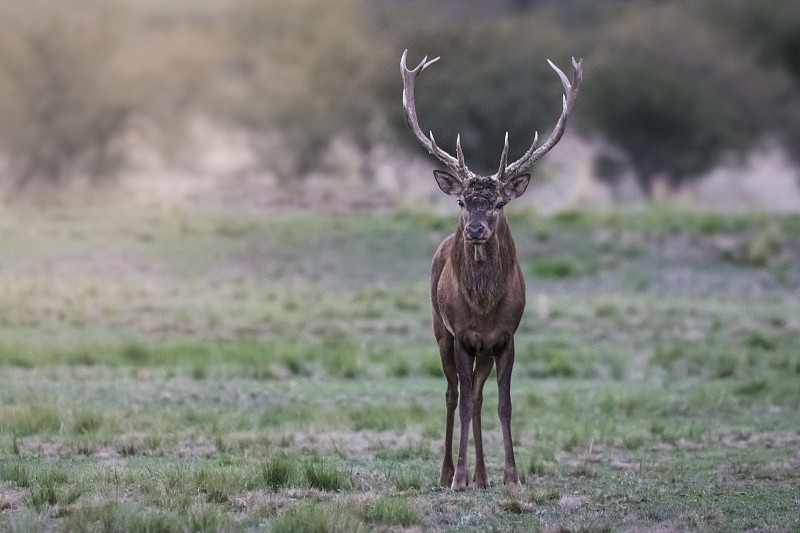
[477, 288]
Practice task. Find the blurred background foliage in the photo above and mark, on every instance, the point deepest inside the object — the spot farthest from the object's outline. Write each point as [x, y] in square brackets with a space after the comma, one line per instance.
[672, 89]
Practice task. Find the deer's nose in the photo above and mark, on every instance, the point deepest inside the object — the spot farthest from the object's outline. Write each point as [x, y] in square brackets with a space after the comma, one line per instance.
[475, 231]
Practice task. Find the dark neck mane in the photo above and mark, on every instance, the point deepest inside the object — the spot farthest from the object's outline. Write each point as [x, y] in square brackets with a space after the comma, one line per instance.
[482, 274]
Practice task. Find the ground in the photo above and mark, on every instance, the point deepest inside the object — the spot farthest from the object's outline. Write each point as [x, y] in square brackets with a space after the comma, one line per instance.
[181, 367]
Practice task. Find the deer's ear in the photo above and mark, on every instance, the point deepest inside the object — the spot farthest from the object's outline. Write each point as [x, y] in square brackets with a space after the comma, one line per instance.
[448, 183]
[515, 187]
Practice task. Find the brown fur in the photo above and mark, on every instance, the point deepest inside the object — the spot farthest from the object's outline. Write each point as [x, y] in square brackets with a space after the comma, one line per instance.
[477, 307]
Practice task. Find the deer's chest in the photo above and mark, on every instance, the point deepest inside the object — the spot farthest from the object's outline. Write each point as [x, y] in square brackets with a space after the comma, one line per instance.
[484, 322]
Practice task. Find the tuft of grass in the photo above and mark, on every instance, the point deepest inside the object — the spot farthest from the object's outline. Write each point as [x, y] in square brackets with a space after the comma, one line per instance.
[540, 461]
[387, 417]
[41, 496]
[571, 217]
[556, 358]
[16, 472]
[554, 268]
[87, 422]
[277, 415]
[430, 363]
[319, 518]
[199, 373]
[115, 516]
[759, 341]
[278, 472]
[208, 518]
[29, 419]
[391, 511]
[322, 475]
[136, 353]
[408, 479]
[81, 357]
[425, 218]
[47, 488]
[634, 441]
[752, 388]
[341, 355]
[419, 450]
[216, 483]
[725, 366]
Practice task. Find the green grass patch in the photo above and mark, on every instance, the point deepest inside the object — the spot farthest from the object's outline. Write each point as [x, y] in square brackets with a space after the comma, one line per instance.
[29, 419]
[319, 518]
[392, 511]
[124, 516]
[556, 268]
[279, 472]
[321, 474]
[243, 372]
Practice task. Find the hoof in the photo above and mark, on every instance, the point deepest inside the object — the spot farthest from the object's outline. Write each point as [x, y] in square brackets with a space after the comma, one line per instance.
[510, 477]
[459, 486]
[460, 482]
[446, 476]
[481, 481]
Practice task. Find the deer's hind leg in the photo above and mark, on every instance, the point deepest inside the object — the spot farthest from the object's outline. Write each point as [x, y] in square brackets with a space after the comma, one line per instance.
[505, 364]
[446, 352]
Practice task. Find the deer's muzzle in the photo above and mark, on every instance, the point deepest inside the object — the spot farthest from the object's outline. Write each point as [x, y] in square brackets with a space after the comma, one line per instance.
[476, 233]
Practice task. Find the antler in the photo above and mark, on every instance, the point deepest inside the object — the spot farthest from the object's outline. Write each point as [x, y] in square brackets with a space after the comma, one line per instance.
[570, 95]
[409, 76]
[571, 90]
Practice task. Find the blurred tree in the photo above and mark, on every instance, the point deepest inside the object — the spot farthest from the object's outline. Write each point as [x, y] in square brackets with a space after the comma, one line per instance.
[769, 32]
[666, 126]
[771, 27]
[63, 103]
[296, 71]
[674, 94]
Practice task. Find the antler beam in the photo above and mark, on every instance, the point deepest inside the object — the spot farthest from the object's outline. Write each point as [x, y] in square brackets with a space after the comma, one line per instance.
[571, 90]
[409, 77]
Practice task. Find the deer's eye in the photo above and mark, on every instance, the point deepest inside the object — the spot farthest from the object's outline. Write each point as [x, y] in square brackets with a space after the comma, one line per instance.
[460, 203]
[500, 205]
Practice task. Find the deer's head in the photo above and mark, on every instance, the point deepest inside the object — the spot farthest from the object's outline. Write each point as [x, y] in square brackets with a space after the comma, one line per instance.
[482, 197]
[481, 200]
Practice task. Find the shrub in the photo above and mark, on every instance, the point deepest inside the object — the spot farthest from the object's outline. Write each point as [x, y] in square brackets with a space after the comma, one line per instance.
[64, 104]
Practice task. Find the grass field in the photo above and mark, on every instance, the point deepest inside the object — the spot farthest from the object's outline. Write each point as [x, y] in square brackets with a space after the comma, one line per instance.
[199, 369]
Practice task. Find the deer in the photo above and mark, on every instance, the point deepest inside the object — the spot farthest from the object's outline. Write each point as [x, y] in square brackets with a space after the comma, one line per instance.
[477, 288]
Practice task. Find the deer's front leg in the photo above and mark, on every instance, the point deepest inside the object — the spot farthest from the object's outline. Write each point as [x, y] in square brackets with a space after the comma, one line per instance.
[464, 365]
[451, 402]
[505, 363]
[483, 367]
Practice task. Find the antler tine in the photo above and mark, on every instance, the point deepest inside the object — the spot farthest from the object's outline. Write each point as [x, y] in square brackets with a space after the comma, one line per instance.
[409, 77]
[462, 166]
[571, 90]
[501, 173]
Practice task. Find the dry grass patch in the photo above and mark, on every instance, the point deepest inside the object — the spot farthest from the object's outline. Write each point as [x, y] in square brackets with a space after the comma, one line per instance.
[11, 496]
